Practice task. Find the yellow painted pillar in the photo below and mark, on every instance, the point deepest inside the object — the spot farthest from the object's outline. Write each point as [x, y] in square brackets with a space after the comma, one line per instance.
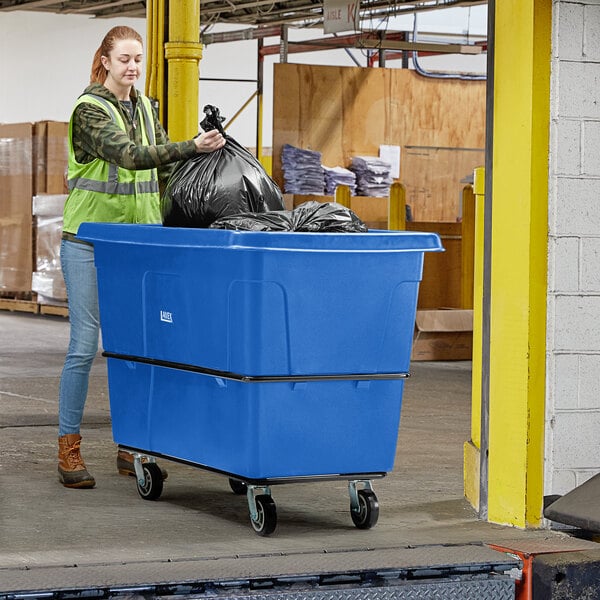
[472, 448]
[266, 162]
[519, 215]
[150, 83]
[155, 54]
[397, 207]
[183, 52]
[467, 234]
[342, 195]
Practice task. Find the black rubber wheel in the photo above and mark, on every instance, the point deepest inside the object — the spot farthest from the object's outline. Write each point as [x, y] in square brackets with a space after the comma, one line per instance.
[368, 510]
[153, 482]
[238, 487]
[266, 520]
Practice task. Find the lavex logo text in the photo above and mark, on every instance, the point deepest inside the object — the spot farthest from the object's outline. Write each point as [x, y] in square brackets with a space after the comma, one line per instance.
[166, 316]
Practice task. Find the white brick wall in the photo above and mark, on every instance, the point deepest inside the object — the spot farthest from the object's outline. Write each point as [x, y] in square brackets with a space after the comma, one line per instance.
[590, 145]
[573, 330]
[591, 31]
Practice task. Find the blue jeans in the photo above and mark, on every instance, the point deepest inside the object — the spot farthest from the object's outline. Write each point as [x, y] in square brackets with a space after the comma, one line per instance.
[77, 261]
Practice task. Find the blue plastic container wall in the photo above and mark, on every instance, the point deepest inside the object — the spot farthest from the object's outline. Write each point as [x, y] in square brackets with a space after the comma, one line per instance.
[260, 303]
[256, 430]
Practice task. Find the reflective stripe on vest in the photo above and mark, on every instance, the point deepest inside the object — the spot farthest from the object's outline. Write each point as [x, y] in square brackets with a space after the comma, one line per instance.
[114, 187]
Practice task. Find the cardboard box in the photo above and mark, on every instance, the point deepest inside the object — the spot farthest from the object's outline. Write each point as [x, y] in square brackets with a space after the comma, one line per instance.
[50, 157]
[16, 254]
[444, 334]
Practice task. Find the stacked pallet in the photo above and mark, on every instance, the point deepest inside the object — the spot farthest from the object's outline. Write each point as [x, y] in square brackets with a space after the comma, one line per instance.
[33, 162]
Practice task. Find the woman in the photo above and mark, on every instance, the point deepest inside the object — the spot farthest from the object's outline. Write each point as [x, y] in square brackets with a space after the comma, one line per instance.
[118, 155]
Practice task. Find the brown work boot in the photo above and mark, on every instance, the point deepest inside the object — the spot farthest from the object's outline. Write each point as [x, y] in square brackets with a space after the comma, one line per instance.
[71, 468]
[125, 464]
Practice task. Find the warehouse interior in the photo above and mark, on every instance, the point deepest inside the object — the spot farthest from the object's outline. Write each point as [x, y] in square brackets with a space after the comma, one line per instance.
[439, 126]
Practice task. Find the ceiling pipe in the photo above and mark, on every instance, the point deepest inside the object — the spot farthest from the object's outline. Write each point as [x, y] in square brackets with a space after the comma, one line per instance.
[439, 74]
[391, 42]
[313, 12]
[257, 33]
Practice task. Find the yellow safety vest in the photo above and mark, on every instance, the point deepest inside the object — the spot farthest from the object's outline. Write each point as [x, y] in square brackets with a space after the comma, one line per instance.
[103, 192]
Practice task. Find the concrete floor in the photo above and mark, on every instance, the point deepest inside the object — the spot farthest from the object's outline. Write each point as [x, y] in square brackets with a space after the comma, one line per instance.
[46, 528]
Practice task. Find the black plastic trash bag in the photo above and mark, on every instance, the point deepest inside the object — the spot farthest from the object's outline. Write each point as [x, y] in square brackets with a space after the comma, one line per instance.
[217, 184]
[310, 216]
[275, 220]
[326, 216]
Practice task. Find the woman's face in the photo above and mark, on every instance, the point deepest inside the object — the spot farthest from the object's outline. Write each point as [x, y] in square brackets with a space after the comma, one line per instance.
[124, 66]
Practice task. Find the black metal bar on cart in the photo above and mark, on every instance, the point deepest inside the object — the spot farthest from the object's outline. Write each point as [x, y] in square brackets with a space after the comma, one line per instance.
[262, 480]
[253, 378]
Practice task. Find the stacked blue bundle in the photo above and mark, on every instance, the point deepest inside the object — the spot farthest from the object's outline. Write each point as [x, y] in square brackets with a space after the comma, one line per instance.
[302, 171]
[335, 176]
[372, 176]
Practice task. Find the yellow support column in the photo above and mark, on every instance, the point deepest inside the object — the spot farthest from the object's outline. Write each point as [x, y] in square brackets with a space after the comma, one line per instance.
[397, 207]
[155, 53]
[472, 448]
[519, 215]
[267, 162]
[183, 52]
[342, 195]
[159, 53]
[150, 84]
[467, 247]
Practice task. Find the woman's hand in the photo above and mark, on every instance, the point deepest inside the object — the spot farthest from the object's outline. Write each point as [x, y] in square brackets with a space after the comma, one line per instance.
[209, 141]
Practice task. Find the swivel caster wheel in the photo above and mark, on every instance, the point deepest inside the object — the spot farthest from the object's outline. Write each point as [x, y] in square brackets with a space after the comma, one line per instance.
[265, 521]
[152, 487]
[368, 510]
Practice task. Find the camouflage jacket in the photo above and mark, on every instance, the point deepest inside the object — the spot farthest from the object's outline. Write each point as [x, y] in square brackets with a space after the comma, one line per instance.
[96, 135]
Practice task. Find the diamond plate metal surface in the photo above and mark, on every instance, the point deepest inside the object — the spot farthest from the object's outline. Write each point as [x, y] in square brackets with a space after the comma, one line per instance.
[489, 589]
[461, 572]
[414, 563]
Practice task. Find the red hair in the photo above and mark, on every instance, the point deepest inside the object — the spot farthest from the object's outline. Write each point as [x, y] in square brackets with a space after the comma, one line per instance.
[116, 34]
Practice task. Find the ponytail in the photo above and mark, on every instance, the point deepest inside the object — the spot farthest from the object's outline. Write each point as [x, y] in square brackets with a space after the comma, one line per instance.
[98, 74]
[121, 32]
